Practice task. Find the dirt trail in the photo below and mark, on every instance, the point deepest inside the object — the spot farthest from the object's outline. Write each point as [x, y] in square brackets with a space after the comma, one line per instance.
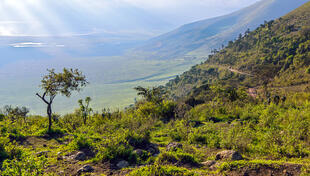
[237, 71]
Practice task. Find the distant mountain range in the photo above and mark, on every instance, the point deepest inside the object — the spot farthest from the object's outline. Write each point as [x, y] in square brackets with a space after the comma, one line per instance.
[199, 38]
[275, 56]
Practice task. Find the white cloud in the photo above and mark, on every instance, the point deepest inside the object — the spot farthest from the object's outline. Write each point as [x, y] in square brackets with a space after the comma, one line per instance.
[35, 45]
[28, 45]
[44, 17]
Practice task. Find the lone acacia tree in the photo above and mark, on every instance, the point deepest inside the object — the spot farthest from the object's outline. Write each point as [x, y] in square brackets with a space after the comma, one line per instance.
[60, 83]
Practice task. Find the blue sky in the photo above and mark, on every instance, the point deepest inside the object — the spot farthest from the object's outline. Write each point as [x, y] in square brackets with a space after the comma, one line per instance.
[80, 17]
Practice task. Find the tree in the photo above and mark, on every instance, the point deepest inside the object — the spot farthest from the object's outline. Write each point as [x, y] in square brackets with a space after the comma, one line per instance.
[85, 109]
[15, 113]
[153, 95]
[60, 83]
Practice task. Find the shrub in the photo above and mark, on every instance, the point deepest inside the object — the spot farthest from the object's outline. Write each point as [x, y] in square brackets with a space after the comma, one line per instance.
[2, 117]
[186, 158]
[117, 152]
[176, 158]
[308, 70]
[205, 135]
[82, 142]
[15, 134]
[52, 132]
[167, 158]
[27, 166]
[179, 130]
[156, 170]
[139, 140]
[3, 152]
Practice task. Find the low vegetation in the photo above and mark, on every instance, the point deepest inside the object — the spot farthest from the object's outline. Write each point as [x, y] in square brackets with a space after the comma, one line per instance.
[217, 119]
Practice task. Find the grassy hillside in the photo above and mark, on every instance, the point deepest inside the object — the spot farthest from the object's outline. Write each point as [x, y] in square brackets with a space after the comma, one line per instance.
[245, 111]
[274, 55]
[199, 38]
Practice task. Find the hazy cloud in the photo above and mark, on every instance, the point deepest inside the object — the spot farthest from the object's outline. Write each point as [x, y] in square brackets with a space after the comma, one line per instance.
[50, 17]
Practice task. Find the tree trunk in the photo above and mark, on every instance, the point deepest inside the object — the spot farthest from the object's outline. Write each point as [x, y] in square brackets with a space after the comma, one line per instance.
[49, 113]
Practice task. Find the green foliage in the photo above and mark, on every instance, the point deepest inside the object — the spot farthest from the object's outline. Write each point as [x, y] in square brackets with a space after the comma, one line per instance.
[52, 132]
[81, 142]
[226, 166]
[308, 70]
[3, 152]
[27, 166]
[64, 83]
[216, 113]
[278, 50]
[85, 109]
[60, 83]
[15, 113]
[155, 94]
[156, 170]
[115, 152]
[178, 157]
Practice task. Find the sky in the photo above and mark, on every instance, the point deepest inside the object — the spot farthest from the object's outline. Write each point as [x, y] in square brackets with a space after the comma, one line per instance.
[82, 17]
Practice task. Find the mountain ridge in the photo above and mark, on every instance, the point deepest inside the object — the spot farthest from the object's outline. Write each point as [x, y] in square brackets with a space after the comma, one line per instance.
[276, 54]
[199, 38]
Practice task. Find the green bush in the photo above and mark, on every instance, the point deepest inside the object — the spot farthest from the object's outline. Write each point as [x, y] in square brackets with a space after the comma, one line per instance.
[308, 70]
[53, 132]
[3, 153]
[178, 130]
[156, 170]
[178, 157]
[117, 152]
[138, 140]
[16, 135]
[2, 117]
[167, 158]
[82, 142]
[27, 166]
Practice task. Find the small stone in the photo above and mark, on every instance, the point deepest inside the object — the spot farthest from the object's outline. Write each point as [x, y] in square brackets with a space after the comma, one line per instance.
[153, 149]
[59, 156]
[174, 146]
[80, 156]
[86, 168]
[138, 152]
[228, 155]
[122, 164]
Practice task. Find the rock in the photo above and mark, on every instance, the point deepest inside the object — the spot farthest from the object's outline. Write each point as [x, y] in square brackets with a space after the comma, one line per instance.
[174, 146]
[139, 152]
[209, 163]
[59, 156]
[86, 168]
[80, 156]
[228, 155]
[153, 149]
[43, 153]
[215, 166]
[122, 164]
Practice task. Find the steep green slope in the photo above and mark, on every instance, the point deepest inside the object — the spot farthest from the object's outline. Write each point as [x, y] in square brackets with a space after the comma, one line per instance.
[197, 39]
[277, 54]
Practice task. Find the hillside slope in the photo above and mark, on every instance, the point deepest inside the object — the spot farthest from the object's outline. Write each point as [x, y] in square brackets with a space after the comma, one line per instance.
[275, 54]
[197, 39]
